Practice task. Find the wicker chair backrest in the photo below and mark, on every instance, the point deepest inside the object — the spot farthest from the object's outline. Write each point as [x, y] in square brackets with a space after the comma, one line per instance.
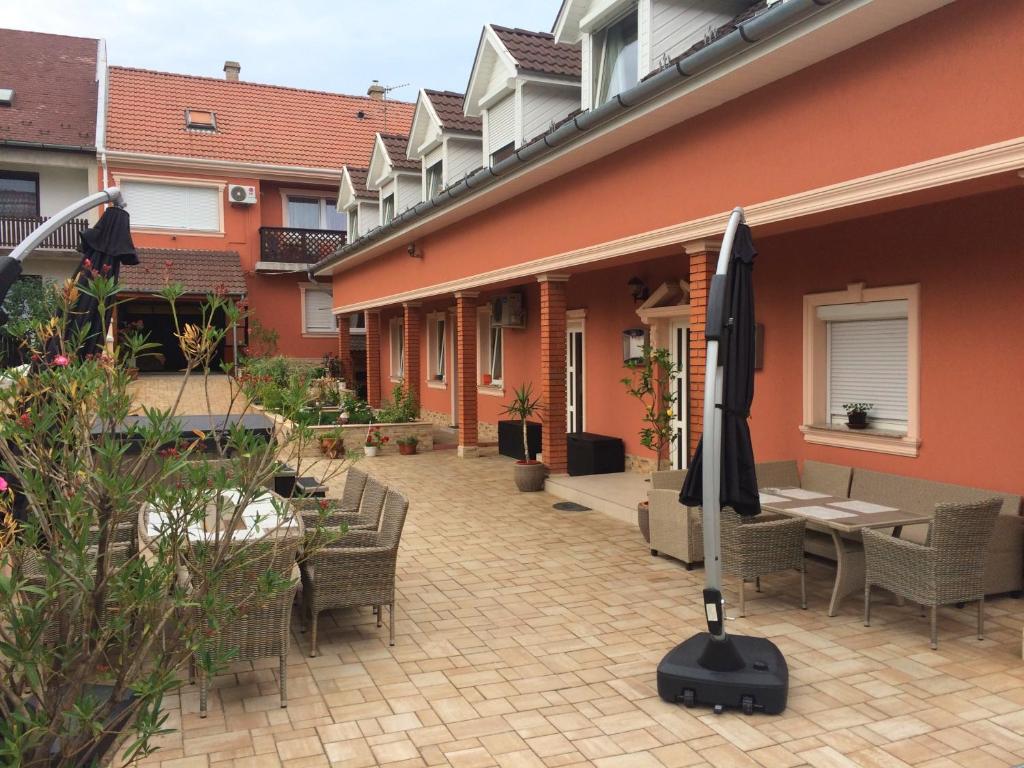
[961, 533]
[372, 502]
[833, 479]
[395, 509]
[777, 474]
[250, 561]
[355, 483]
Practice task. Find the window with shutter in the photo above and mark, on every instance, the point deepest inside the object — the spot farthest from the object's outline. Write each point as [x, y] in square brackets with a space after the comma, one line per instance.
[157, 205]
[154, 205]
[867, 363]
[317, 315]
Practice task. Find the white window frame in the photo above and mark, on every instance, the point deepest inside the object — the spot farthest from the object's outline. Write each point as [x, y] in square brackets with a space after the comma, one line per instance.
[816, 426]
[396, 349]
[437, 350]
[439, 165]
[384, 220]
[353, 223]
[120, 179]
[597, 52]
[309, 194]
[485, 353]
[304, 290]
[354, 328]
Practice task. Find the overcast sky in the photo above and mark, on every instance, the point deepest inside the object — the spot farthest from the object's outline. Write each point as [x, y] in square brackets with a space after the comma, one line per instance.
[333, 45]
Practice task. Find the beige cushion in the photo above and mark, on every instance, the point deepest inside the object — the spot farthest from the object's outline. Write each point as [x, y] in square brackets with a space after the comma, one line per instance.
[777, 474]
[832, 479]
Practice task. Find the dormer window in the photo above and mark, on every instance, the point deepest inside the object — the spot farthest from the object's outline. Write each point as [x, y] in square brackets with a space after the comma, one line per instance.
[616, 58]
[200, 120]
[434, 179]
[387, 211]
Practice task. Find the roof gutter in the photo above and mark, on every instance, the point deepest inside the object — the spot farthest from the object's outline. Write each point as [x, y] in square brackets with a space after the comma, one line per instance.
[43, 145]
[776, 19]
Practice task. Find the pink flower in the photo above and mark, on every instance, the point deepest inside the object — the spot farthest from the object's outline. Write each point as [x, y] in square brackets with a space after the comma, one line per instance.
[3, 485]
[61, 360]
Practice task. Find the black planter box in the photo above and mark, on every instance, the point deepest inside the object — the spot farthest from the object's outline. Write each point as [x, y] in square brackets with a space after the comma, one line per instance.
[591, 454]
[510, 439]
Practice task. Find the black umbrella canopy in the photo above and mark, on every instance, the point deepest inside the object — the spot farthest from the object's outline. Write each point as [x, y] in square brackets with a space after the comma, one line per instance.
[736, 351]
[104, 248]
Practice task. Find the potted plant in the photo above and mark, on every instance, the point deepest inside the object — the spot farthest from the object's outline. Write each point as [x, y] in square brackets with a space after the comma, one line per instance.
[333, 445]
[407, 445]
[529, 473]
[486, 379]
[857, 414]
[375, 440]
[649, 381]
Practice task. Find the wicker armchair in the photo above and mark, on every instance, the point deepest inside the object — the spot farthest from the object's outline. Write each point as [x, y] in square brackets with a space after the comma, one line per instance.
[361, 514]
[948, 568]
[755, 546]
[261, 627]
[356, 571]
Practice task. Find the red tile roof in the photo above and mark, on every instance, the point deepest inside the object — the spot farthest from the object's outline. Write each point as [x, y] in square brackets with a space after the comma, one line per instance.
[201, 272]
[448, 106]
[55, 89]
[396, 144]
[538, 52]
[256, 123]
[358, 176]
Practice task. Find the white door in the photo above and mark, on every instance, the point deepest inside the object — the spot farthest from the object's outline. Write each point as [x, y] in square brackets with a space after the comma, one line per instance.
[574, 376]
[679, 345]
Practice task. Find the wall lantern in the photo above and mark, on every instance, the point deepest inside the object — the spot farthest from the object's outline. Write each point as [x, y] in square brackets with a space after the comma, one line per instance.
[633, 341]
[638, 289]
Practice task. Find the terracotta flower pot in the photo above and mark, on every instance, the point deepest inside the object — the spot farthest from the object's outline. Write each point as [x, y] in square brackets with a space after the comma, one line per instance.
[529, 476]
[332, 447]
[407, 450]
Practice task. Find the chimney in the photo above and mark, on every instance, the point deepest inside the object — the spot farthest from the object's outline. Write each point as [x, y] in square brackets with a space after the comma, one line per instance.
[232, 69]
[376, 91]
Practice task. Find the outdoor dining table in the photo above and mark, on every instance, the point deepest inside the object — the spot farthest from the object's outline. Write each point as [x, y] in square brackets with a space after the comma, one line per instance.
[842, 519]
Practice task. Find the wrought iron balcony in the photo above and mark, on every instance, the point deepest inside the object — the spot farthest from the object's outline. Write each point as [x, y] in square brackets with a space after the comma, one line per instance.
[14, 229]
[288, 245]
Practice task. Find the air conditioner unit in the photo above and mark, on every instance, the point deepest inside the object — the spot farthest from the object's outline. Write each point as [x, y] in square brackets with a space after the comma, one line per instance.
[508, 311]
[241, 194]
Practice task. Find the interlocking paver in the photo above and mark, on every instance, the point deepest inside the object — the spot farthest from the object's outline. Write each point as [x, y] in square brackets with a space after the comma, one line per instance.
[529, 637]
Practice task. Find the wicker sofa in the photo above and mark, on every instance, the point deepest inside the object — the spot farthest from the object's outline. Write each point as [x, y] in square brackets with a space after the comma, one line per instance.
[676, 531]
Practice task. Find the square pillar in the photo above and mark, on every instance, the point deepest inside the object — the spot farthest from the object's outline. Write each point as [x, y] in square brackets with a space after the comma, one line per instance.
[553, 371]
[465, 375]
[703, 259]
[373, 362]
[345, 350]
[412, 324]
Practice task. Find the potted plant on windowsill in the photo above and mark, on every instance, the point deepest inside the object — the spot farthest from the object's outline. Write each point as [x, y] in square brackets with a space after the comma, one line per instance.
[529, 473]
[407, 445]
[375, 440]
[857, 414]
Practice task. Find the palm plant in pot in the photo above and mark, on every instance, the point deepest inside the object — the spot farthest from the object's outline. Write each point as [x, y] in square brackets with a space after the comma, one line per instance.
[529, 473]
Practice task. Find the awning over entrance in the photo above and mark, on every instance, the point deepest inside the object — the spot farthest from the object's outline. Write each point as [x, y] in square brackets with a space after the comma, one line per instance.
[201, 272]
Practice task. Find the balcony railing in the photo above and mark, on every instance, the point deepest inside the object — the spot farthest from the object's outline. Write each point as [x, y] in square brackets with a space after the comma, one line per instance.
[288, 245]
[14, 229]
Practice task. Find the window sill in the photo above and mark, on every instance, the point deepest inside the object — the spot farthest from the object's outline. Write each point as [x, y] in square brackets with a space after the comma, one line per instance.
[396, 379]
[319, 334]
[491, 390]
[875, 440]
[177, 232]
[437, 384]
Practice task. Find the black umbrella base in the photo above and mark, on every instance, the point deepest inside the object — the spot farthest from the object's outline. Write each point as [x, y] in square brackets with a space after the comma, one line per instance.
[747, 673]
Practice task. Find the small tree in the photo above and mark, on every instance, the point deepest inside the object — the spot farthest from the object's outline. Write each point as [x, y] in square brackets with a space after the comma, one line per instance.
[94, 630]
[649, 381]
[523, 407]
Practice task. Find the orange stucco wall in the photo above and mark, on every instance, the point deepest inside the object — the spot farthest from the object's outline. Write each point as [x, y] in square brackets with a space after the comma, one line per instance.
[946, 82]
[274, 299]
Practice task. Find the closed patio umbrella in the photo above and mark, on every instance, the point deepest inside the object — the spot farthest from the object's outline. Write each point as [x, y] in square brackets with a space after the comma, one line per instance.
[105, 248]
[713, 667]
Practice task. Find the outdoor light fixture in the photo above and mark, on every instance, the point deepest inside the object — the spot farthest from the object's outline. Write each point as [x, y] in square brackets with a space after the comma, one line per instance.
[633, 341]
[413, 253]
[638, 289]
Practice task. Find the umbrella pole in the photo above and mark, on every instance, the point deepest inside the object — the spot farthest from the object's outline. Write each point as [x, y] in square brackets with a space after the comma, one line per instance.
[714, 605]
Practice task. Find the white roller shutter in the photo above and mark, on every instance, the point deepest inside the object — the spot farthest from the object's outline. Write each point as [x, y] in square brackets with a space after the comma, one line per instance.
[501, 124]
[172, 206]
[318, 312]
[867, 363]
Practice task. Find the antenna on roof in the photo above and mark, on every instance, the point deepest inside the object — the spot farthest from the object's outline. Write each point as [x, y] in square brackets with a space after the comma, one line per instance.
[388, 89]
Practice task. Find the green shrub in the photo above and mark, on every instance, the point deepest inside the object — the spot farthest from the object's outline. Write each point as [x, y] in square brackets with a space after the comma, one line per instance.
[402, 408]
[358, 411]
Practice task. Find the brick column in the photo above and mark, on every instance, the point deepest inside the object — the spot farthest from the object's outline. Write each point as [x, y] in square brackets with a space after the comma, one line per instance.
[552, 370]
[465, 342]
[703, 258]
[345, 350]
[412, 324]
[373, 358]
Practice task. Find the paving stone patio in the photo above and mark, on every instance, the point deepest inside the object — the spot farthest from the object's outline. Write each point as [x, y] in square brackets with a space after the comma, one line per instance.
[529, 637]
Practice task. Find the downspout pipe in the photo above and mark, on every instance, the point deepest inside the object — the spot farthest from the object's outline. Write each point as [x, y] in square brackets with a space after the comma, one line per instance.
[776, 19]
[101, 109]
